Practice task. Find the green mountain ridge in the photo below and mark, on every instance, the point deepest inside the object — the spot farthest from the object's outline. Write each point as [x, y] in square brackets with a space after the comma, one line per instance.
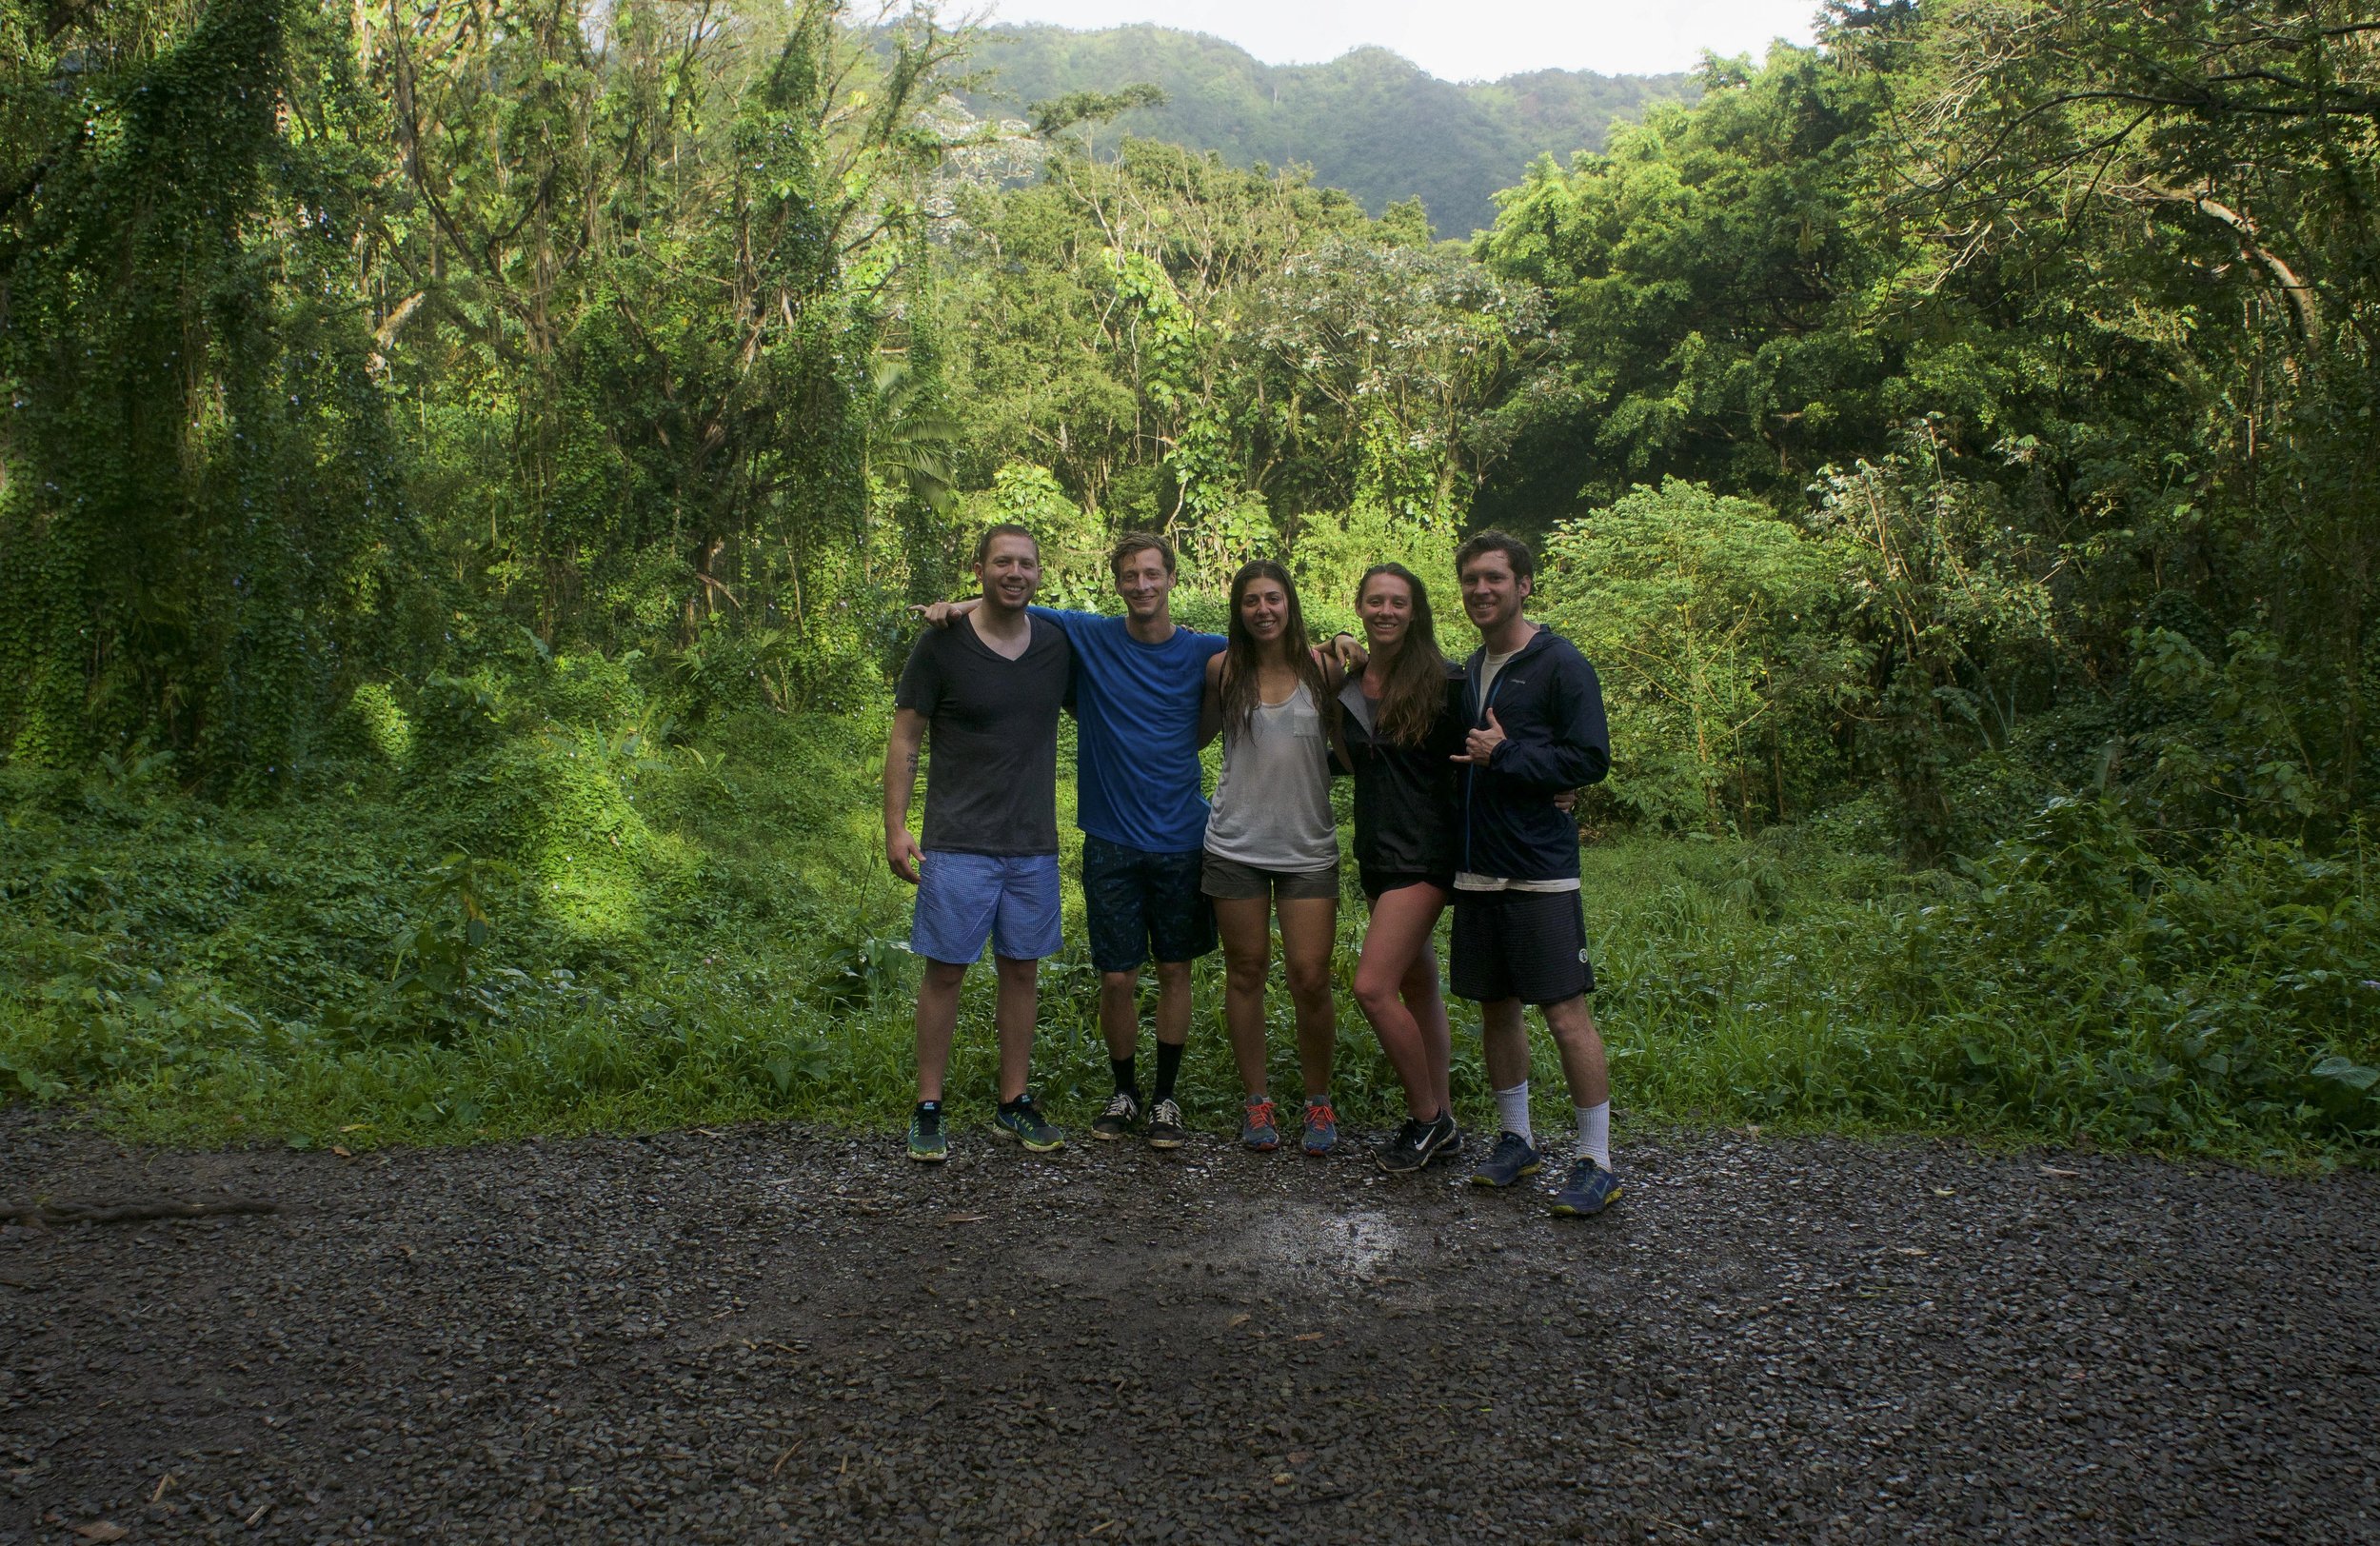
[1371, 121]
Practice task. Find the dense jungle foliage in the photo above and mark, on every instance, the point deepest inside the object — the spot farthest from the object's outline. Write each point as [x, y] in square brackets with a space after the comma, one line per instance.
[465, 468]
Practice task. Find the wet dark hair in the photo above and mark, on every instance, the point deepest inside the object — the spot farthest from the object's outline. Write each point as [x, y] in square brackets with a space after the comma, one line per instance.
[1414, 694]
[1006, 528]
[1241, 660]
[1517, 553]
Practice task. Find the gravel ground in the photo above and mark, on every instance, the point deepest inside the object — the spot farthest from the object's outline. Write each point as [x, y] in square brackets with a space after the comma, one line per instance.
[763, 1333]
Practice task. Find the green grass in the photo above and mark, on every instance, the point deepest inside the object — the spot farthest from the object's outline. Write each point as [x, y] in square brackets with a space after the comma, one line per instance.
[707, 933]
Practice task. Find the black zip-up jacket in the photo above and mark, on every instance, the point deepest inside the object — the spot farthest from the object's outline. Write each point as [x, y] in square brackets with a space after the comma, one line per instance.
[1551, 706]
[1405, 795]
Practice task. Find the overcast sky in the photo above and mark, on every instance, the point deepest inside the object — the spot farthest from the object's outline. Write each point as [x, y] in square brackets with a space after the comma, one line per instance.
[1459, 39]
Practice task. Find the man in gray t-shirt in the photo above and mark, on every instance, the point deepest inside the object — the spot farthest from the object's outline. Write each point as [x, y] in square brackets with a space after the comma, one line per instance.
[988, 692]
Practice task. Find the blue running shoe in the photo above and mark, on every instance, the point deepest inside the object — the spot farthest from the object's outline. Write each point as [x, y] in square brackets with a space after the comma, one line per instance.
[1507, 1162]
[1588, 1191]
[1258, 1130]
[1321, 1130]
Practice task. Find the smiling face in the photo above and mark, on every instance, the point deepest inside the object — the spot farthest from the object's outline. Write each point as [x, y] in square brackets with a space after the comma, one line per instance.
[1264, 609]
[1491, 594]
[1386, 608]
[1146, 583]
[1010, 572]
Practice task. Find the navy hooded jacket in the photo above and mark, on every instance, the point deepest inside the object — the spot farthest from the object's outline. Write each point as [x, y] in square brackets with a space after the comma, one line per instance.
[1551, 706]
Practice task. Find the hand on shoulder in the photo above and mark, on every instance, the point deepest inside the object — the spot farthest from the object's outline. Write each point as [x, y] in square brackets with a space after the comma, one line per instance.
[942, 614]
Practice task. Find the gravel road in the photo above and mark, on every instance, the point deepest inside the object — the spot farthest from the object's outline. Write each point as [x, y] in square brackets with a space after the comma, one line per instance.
[765, 1333]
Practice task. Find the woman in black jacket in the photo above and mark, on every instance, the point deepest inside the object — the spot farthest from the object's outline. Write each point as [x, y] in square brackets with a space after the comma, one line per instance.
[1403, 727]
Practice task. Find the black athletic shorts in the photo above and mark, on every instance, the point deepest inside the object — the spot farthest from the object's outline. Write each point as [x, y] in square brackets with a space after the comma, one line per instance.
[1140, 906]
[1379, 882]
[1530, 945]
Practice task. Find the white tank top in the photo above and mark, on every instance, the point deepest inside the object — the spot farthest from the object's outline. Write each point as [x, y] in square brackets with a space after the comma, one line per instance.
[1272, 804]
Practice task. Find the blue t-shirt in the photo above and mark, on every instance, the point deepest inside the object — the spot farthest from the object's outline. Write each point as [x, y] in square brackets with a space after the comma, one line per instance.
[1137, 738]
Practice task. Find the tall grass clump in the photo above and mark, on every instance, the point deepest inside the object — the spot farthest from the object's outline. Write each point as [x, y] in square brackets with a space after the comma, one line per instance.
[2066, 985]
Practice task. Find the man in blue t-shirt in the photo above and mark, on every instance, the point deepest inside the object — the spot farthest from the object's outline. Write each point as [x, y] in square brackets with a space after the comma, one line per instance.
[1138, 681]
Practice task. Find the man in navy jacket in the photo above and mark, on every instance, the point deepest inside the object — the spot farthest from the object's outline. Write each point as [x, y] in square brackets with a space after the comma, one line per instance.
[1520, 933]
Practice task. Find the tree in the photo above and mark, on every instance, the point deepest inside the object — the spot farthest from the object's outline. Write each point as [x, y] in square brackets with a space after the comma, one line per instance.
[200, 527]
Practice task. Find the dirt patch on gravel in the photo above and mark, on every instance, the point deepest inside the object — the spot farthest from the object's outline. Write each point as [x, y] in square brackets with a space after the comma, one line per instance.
[767, 1334]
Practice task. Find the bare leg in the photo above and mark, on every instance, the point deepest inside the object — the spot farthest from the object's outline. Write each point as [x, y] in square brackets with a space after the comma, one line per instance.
[1582, 1047]
[1309, 927]
[1173, 1003]
[1014, 1018]
[936, 1019]
[1244, 924]
[1396, 956]
[1119, 1012]
[1504, 1039]
[1428, 1005]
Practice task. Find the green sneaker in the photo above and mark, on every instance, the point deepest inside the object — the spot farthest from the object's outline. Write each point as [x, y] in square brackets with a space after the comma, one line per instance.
[1023, 1120]
[927, 1143]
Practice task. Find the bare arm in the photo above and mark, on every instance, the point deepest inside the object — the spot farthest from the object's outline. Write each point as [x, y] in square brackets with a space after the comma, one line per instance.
[901, 780]
[942, 614]
[1211, 708]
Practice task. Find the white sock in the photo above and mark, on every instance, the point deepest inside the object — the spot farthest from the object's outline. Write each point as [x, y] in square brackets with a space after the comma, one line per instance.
[1511, 1109]
[1595, 1134]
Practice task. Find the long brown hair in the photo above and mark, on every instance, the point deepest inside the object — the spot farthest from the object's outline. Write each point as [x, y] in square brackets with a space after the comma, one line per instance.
[1239, 651]
[1412, 694]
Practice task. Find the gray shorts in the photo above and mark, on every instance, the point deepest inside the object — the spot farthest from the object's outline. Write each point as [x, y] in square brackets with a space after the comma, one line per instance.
[1227, 880]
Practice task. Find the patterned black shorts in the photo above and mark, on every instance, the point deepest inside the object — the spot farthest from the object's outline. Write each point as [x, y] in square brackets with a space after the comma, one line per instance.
[1530, 945]
[1140, 906]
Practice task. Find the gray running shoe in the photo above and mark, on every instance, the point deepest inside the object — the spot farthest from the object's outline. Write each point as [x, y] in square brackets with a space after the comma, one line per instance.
[1258, 1130]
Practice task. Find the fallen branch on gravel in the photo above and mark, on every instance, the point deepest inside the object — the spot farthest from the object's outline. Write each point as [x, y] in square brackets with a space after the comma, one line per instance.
[125, 1213]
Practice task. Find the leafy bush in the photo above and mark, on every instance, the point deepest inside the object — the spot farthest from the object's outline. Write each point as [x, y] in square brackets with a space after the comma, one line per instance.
[2069, 986]
[1718, 629]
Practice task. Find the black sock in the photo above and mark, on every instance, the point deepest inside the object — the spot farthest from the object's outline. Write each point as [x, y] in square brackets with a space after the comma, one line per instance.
[930, 1107]
[1168, 1064]
[1126, 1081]
[1011, 1105]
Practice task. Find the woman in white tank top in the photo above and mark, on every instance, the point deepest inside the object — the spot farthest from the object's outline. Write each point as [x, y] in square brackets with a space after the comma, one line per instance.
[1272, 847]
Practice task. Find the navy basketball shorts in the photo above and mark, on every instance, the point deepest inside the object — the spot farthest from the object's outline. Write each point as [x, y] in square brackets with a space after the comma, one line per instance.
[1140, 907]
